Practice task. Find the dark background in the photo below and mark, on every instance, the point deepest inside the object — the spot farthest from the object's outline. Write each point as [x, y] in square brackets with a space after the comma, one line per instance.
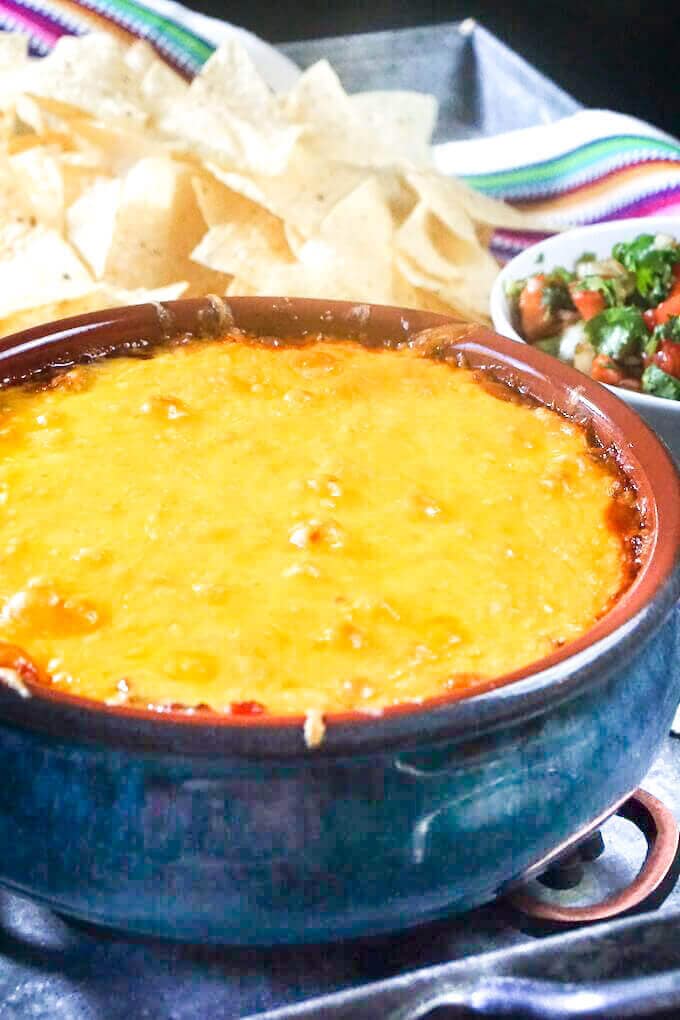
[621, 55]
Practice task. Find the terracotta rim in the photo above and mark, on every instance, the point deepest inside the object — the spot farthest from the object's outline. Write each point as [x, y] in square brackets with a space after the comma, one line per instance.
[641, 455]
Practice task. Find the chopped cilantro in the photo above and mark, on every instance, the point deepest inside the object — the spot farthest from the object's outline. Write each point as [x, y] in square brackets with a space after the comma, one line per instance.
[637, 277]
[611, 289]
[513, 289]
[654, 275]
[651, 265]
[629, 253]
[660, 383]
[556, 296]
[617, 332]
[669, 330]
[652, 344]
[560, 273]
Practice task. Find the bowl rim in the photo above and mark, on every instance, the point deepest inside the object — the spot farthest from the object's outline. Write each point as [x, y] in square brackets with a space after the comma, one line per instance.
[519, 694]
[498, 302]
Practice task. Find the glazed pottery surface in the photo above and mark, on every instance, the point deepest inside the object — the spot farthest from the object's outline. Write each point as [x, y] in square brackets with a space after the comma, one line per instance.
[212, 830]
[250, 851]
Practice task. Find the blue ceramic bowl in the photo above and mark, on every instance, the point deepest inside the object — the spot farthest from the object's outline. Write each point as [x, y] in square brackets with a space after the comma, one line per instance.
[232, 830]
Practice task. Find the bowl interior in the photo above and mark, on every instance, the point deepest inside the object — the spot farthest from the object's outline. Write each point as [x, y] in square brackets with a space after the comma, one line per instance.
[641, 456]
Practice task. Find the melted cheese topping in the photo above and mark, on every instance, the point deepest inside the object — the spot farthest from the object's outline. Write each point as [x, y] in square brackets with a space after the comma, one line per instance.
[320, 527]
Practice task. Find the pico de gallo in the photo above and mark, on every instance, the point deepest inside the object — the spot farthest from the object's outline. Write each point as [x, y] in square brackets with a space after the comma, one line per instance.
[617, 319]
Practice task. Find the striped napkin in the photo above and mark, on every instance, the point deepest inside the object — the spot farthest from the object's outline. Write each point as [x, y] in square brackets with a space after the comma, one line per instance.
[173, 30]
[588, 168]
[592, 166]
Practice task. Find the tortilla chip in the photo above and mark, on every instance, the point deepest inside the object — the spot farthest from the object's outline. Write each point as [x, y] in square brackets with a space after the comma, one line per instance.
[401, 123]
[42, 114]
[215, 200]
[361, 231]
[36, 260]
[431, 303]
[140, 56]
[246, 240]
[40, 174]
[241, 288]
[118, 178]
[88, 76]
[414, 240]
[15, 203]
[229, 115]
[303, 196]
[115, 150]
[294, 238]
[447, 197]
[446, 295]
[220, 137]
[13, 51]
[230, 81]
[119, 296]
[318, 100]
[91, 220]
[77, 177]
[368, 129]
[334, 264]
[476, 270]
[13, 57]
[162, 88]
[100, 297]
[397, 193]
[157, 225]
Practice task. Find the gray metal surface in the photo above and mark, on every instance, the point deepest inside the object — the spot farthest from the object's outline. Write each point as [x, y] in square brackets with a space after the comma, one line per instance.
[482, 87]
[631, 970]
[51, 969]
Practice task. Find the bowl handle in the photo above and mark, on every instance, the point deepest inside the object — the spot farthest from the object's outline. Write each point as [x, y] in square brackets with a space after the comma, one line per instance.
[660, 829]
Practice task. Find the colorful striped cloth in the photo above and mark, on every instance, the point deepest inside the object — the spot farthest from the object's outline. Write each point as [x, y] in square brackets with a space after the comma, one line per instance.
[45, 21]
[590, 167]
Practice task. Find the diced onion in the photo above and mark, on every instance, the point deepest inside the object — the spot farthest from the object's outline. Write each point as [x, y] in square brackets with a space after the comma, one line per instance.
[584, 355]
[570, 339]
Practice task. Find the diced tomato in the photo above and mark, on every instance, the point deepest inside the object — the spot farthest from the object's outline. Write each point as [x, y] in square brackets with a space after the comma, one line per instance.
[667, 357]
[649, 315]
[535, 317]
[246, 708]
[14, 658]
[588, 302]
[671, 306]
[606, 371]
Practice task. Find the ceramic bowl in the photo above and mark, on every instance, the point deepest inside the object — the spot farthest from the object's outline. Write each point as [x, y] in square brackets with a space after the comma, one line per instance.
[230, 829]
[563, 250]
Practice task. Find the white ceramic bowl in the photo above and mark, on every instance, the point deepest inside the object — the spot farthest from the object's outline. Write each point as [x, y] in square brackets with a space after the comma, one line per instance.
[563, 250]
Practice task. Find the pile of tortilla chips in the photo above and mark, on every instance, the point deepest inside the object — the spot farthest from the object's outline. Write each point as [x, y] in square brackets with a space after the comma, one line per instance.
[120, 182]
